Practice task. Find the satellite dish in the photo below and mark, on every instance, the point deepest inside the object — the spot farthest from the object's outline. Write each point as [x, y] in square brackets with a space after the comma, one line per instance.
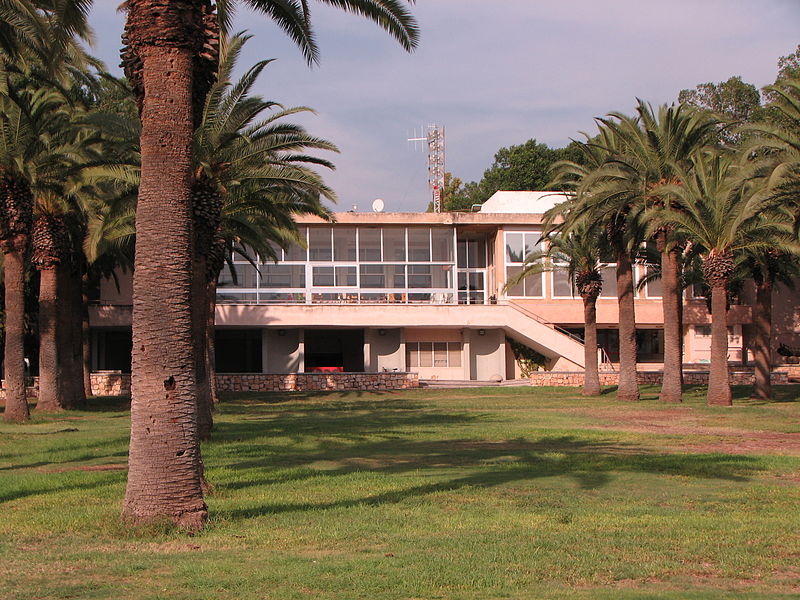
[377, 205]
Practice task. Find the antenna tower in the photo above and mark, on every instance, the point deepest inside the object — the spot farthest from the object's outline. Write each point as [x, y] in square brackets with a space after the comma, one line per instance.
[435, 141]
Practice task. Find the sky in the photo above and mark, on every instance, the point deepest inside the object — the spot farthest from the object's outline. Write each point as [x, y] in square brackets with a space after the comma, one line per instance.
[493, 73]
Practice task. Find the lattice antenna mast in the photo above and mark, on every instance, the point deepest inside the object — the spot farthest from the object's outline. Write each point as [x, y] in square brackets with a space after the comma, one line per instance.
[435, 141]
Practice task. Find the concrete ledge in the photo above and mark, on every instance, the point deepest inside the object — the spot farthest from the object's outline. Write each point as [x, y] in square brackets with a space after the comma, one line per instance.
[575, 378]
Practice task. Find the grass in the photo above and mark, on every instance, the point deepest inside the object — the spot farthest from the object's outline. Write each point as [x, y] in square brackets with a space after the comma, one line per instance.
[457, 494]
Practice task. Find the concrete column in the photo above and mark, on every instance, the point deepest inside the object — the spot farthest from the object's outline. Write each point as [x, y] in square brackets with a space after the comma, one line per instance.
[368, 366]
[301, 350]
[264, 352]
[466, 354]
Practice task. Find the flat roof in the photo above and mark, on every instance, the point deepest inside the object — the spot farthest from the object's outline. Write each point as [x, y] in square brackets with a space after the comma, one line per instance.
[420, 218]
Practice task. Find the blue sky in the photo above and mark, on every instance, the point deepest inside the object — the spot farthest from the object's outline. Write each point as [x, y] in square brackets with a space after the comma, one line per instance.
[494, 73]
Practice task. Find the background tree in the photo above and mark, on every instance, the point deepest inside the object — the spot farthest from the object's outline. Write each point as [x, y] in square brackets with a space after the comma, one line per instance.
[515, 168]
[733, 102]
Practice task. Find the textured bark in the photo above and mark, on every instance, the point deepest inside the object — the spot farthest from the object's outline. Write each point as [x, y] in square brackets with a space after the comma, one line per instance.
[628, 389]
[76, 381]
[14, 356]
[591, 379]
[762, 332]
[719, 388]
[86, 337]
[671, 387]
[52, 395]
[205, 420]
[211, 356]
[164, 474]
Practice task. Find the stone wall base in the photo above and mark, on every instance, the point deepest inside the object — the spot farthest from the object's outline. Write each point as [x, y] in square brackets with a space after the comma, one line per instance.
[119, 384]
[575, 378]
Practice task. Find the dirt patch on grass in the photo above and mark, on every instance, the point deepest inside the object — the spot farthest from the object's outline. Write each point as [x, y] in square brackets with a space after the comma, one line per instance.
[680, 421]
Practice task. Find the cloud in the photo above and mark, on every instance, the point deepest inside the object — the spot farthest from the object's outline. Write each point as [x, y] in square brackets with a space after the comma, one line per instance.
[498, 73]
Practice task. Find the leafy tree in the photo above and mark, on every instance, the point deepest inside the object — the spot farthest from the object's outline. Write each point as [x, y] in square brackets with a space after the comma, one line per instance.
[732, 101]
[515, 168]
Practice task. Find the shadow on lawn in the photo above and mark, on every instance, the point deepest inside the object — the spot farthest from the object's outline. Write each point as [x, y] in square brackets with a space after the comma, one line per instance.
[590, 464]
[345, 442]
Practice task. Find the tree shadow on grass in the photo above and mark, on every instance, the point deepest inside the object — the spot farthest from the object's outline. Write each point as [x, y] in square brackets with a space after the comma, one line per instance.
[330, 441]
[590, 464]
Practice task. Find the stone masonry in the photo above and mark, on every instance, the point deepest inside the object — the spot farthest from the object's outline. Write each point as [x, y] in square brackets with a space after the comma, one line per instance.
[575, 378]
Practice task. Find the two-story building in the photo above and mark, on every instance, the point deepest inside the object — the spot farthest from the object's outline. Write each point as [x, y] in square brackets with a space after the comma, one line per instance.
[421, 292]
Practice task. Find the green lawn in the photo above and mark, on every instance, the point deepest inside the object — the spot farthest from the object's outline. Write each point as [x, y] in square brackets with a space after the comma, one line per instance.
[478, 493]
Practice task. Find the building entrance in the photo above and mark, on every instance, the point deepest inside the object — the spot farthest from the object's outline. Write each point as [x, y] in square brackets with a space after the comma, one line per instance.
[334, 350]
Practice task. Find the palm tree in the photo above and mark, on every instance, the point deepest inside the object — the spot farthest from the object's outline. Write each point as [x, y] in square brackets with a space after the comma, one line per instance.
[164, 478]
[724, 218]
[250, 160]
[577, 252]
[655, 142]
[774, 150]
[26, 115]
[600, 199]
[766, 268]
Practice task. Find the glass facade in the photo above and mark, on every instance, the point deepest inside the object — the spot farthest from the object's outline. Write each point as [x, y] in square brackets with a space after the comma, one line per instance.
[354, 265]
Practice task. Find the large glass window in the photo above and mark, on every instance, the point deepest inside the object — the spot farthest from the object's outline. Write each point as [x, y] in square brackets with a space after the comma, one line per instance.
[394, 243]
[562, 286]
[369, 244]
[344, 244]
[346, 277]
[433, 354]
[519, 246]
[441, 245]
[319, 244]
[419, 244]
[394, 264]
[609, 274]
[283, 276]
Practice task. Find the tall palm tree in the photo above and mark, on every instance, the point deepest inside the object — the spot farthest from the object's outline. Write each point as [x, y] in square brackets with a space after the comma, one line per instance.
[766, 268]
[27, 113]
[576, 251]
[599, 198]
[723, 217]
[655, 142]
[250, 158]
[164, 36]
[773, 151]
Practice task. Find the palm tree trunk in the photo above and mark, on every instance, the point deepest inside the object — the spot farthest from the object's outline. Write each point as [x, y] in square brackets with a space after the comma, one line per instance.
[14, 354]
[628, 389]
[164, 474]
[762, 384]
[671, 388]
[591, 378]
[719, 388]
[211, 349]
[76, 350]
[86, 337]
[205, 420]
[52, 395]
[66, 318]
